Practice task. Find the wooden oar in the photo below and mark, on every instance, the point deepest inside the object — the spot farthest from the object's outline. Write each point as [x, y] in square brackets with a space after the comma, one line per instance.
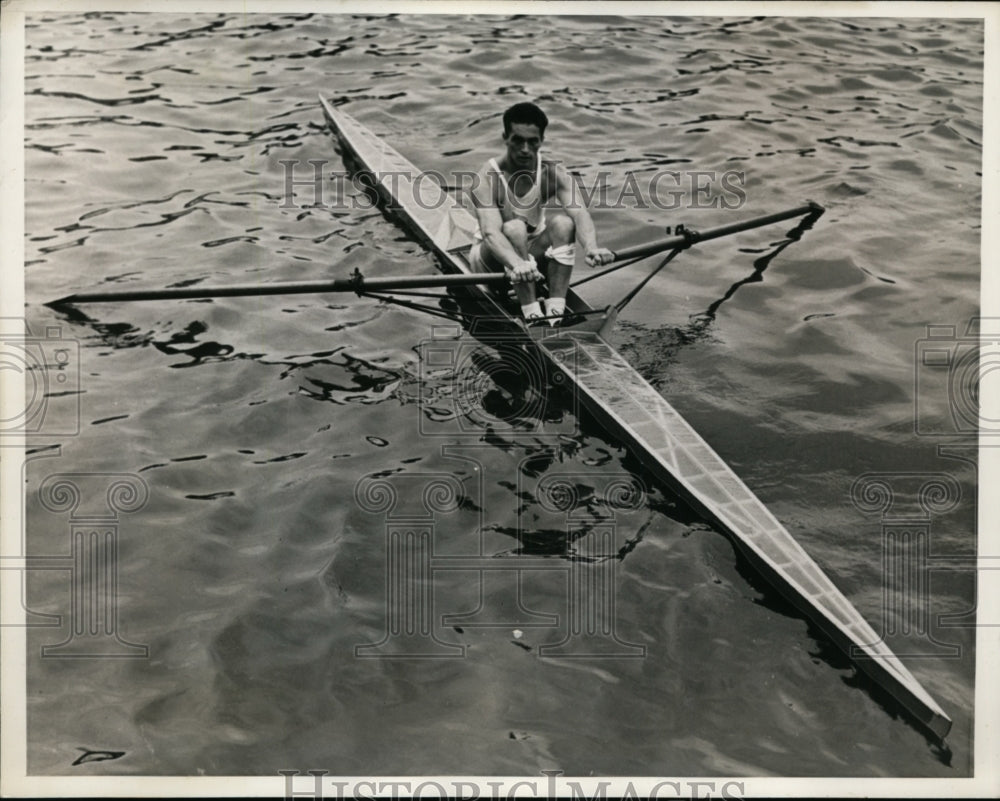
[356, 283]
[689, 238]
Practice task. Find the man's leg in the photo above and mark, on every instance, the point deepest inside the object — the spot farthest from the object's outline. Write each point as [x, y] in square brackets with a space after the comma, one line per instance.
[484, 260]
[517, 234]
[557, 245]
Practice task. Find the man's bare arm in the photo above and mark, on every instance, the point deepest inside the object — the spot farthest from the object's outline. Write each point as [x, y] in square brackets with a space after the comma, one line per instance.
[567, 196]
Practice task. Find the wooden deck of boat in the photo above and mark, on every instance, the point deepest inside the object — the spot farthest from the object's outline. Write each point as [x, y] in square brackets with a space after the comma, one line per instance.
[636, 414]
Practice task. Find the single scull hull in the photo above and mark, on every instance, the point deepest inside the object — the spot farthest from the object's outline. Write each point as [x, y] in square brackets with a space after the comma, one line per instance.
[637, 415]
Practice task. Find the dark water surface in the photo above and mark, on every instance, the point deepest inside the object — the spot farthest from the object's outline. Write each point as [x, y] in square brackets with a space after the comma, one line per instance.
[154, 150]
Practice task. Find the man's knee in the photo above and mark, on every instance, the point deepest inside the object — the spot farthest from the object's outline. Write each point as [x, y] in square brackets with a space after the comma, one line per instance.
[562, 229]
[515, 230]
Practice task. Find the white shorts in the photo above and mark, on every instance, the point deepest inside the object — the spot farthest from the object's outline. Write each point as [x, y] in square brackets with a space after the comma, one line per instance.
[476, 258]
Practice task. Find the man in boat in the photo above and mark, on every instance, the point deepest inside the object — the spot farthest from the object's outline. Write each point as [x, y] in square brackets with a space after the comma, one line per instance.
[516, 234]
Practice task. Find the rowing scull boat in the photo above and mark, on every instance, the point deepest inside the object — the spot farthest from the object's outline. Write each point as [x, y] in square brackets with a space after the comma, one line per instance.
[633, 412]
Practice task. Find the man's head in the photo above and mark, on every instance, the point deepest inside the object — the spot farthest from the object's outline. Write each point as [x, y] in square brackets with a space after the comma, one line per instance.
[523, 131]
[525, 114]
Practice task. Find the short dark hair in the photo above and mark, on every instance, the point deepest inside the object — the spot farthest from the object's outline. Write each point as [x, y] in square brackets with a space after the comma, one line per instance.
[525, 114]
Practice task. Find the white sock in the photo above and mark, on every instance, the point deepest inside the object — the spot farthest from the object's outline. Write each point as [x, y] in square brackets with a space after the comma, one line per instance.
[555, 307]
[533, 309]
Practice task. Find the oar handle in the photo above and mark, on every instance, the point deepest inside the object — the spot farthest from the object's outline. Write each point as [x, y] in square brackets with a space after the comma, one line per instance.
[692, 237]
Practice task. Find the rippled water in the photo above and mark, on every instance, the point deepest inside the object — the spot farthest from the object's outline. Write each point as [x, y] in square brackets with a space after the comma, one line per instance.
[154, 157]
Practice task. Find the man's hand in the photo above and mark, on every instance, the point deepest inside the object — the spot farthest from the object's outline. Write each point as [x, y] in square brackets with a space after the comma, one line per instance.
[525, 271]
[597, 256]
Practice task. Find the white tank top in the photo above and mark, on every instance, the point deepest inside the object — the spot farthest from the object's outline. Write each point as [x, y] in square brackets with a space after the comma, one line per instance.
[528, 207]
